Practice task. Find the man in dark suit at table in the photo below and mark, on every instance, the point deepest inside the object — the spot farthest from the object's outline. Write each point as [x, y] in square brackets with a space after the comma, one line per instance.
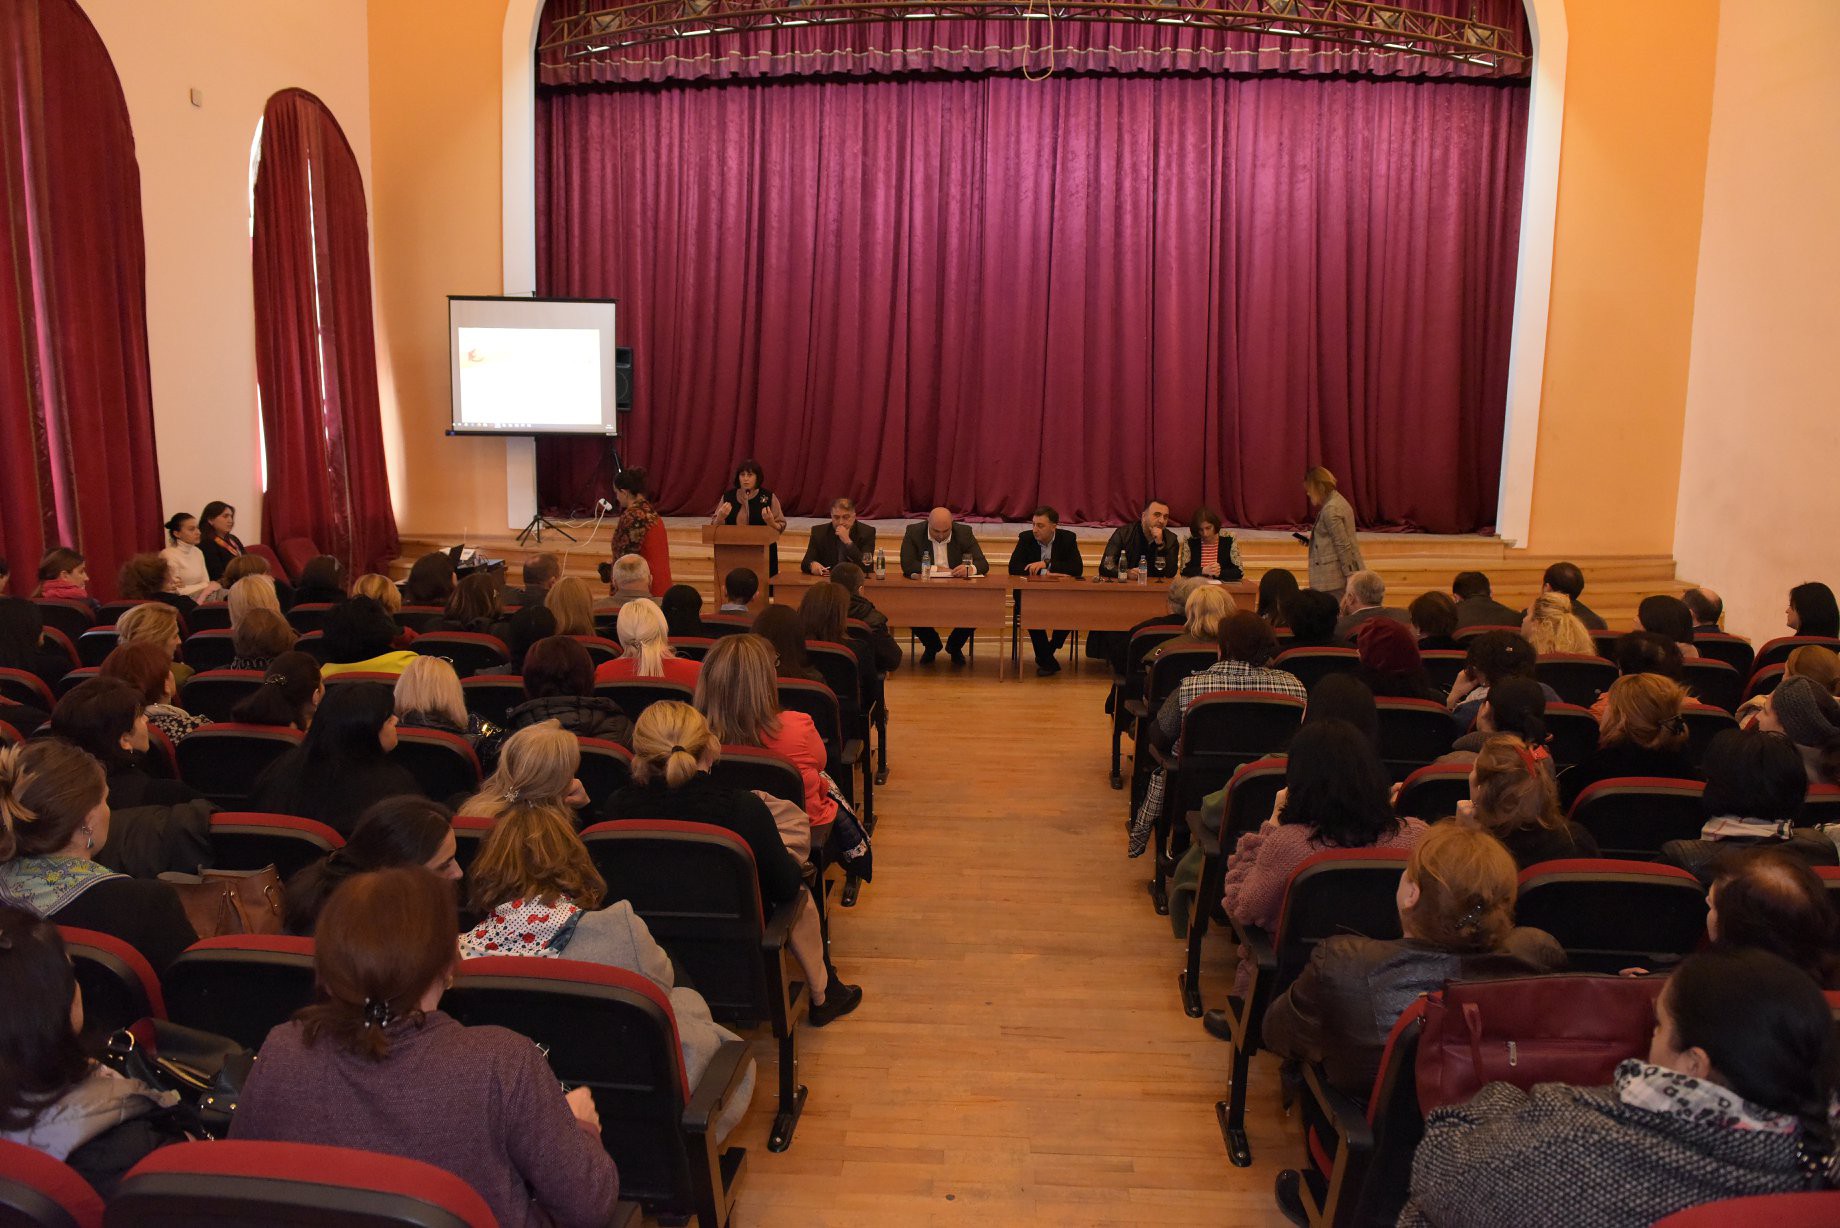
[940, 542]
[843, 540]
[1046, 548]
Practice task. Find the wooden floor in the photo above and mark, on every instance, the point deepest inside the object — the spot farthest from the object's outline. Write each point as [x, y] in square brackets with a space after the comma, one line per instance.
[1021, 1055]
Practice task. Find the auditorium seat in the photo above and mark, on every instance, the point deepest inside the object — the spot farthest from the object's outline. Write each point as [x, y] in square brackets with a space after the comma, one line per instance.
[161, 759]
[216, 692]
[600, 649]
[1463, 635]
[209, 616]
[204, 650]
[1251, 793]
[691, 647]
[1574, 733]
[1821, 806]
[59, 642]
[359, 677]
[842, 669]
[95, 644]
[1777, 651]
[1611, 914]
[1128, 685]
[755, 767]
[1713, 682]
[1163, 673]
[443, 763]
[240, 985]
[1360, 1175]
[635, 695]
[1803, 1209]
[1413, 732]
[1704, 723]
[77, 677]
[24, 687]
[296, 553]
[418, 618]
[37, 1191]
[470, 652]
[1830, 878]
[606, 768]
[1764, 680]
[1578, 679]
[267, 555]
[1631, 817]
[119, 985]
[313, 643]
[493, 695]
[718, 624]
[1432, 792]
[10, 736]
[109, 612]
[1605, 642]
[1333, 892]
[1734, 650]
[1443, 665]
[239, 1182]
[470, 831]
[309, 616]
[72, 618]
[696, 888]
[614, 1032]
[222, 761]
[843, 752]
[1312, 665]
[244, 840]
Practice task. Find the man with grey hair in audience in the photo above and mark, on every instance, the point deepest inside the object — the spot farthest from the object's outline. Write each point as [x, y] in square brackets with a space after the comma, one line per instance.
[1365, 598]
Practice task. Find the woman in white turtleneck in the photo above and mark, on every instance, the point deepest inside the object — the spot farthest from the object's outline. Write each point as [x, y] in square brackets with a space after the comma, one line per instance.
[184, 560]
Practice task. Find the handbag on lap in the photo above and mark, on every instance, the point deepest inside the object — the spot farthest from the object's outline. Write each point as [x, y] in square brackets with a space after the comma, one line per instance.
[219, 902]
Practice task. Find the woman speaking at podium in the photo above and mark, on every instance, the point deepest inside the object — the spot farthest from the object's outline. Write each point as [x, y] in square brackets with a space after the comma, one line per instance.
[748, 501]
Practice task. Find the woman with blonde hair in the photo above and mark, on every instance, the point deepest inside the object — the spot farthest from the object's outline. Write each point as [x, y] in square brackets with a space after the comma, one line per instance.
[738, 691]
[1551, 627]
[536, 768]
[645, 635]
[572, 602]
[1335, 551]
[381, 589]
[155, 623]
[1643, 733]
[252, 592]
[535, 885]
[674, 749]
[1513, 797]
[429, 696]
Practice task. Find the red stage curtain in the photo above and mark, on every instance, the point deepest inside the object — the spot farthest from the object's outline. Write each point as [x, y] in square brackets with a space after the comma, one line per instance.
[990, 293]
[316, 355]
[77, 464]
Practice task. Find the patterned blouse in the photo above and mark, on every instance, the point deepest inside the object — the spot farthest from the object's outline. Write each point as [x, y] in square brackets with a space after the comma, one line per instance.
[634, 523]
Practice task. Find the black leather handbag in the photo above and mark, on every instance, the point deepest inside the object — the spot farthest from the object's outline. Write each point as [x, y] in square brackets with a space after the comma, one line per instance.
[206, 1070]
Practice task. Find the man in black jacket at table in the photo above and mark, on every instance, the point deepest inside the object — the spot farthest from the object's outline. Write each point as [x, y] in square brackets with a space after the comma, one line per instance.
[1046, 548]
[843, 540]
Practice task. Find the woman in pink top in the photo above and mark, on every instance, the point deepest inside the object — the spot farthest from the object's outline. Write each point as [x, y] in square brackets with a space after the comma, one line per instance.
[645, 635]
[739, 695]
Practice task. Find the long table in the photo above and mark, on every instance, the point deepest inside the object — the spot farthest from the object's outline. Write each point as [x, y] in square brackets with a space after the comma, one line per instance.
[1041, 605]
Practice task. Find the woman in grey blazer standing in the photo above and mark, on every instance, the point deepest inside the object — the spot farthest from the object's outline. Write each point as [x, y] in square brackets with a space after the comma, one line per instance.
[1334, 553]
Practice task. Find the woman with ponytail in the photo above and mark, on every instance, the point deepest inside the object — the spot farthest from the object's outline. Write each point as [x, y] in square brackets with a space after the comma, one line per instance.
[398, 831]
[374, 1064]
[673, 751]
[1513, 798]
[1456, 910]
[54, 820]
[536, 770]
[1735, 1099]
[289, 695]
[645, 636]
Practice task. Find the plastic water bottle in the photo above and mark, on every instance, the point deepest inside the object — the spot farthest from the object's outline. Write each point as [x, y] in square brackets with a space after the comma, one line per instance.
[926, 565]
[881, 563]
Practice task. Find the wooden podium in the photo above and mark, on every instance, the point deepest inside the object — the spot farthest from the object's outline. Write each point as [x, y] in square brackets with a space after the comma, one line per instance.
[740, 545]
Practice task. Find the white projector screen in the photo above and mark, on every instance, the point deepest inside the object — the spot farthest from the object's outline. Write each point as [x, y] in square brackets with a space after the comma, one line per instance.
[532, 366]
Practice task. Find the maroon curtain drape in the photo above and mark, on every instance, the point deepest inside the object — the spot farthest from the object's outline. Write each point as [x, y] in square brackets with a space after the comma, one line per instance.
[316, 356]
[77, 463]
[992, 292]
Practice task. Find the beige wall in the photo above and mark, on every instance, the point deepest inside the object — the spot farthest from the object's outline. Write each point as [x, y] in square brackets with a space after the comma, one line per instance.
[194, 163]
[1758, 474]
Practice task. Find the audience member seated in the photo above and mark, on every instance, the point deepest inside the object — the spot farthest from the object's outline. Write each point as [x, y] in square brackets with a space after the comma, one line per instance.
[381, 589]
[474, 607]
[22, 644]
[1512, 797]
[1809, 661]
[536, 889]
[1494, 657]
[1336, 795]
[1390, 664]
[1362, 600]
[107, 718]
[1643, 652]
[882, 643]
[54, 1097]
[1768, 898]
[430, 580]
[571, 603]
[1733, 1100]
[682, 607]
[1755, 787]
[559, 686]
[540, 573]
[217, 543]
[784, 631]
[1209, 551]
[1276, 588]
[645, 642]
[64, 576]
[1642, 734]
[356, 638]
[1311, 616]
[190, 576]
[238, 568]
[322, 580]
[631, 579]
[1344, 697]
[147, 668]
[1207, 606]
[1809, 717]
[1567, 581]
[155, 624]
[524, 629]
[1707, 608]
[398, 831]
[255, 591]
[673, 752]
[1456, 910]
[1812, 611]
[290, 694]
[342, 767]
[1551, 627]
[1177, 596]
[739, 588]
[429, 696]
[738, 694]
[54, 817]
[1476, 604]
[374, 1064]
[537, 766]
[148, 577]
[1434, 622]
[824, 616]
[262, 636]
[1669, 618]
[1513, 705]
[1247, 646]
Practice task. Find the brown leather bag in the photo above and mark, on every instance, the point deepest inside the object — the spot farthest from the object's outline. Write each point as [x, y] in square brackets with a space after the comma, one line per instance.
[219, 902]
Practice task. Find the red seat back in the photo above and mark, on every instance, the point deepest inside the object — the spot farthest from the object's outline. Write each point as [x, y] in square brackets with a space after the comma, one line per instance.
[216, 693]
[606, 768]
[1734, 650]
[471, 652]
[1578, 679]
[1806, 1209]
[635, 695]
[1336, 891]
[1631, 817]
[119, 985]
[493, 695]
[24, 687]
[1312, 665]
[37, 1191]
[755, 767]
[1413, 732]
[443, 763]
[1432, 792]
[209, 649]
[242, 840]
[222, 761]
[296, 553]
[240, 986]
